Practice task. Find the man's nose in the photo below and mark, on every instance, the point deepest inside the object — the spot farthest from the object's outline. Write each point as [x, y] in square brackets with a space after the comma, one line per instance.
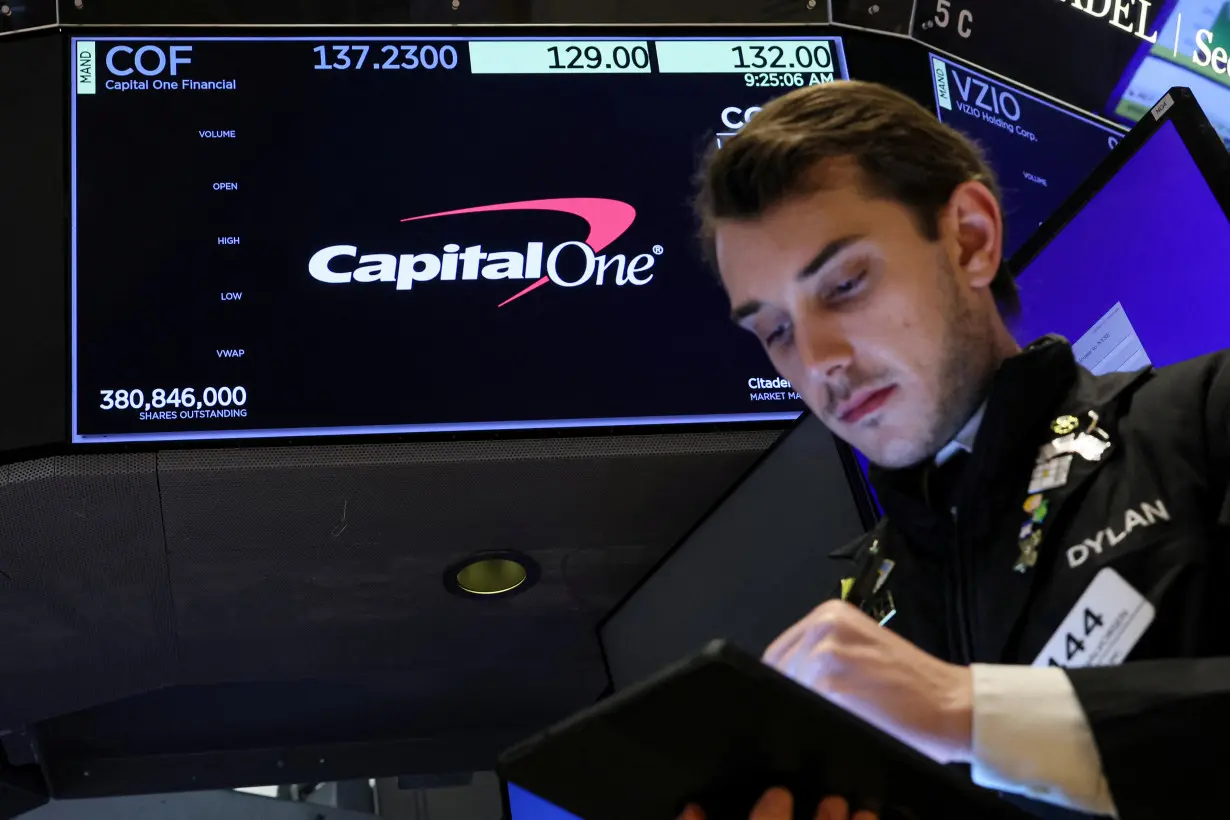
[824, 351]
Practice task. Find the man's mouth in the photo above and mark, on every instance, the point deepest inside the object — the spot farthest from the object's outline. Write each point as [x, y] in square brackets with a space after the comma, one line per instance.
[863, 404]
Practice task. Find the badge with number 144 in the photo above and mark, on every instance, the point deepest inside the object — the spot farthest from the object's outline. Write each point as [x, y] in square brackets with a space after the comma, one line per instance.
[1102, 628]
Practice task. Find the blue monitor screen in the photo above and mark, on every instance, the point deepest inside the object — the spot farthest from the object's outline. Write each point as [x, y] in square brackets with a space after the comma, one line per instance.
[525, 805]
[1139, 276]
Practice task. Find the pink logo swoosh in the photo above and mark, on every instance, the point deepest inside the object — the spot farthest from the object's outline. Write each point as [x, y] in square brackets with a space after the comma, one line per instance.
[607, 218]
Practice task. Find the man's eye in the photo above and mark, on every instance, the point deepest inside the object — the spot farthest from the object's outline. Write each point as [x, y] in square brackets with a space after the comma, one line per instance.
[848, 286]
[776, 336]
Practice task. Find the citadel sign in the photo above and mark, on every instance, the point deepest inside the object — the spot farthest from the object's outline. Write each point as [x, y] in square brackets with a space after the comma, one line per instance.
[1129, 15]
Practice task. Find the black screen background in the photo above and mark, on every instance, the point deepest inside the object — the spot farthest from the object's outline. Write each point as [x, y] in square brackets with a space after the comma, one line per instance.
[339, 157]
[33, 301]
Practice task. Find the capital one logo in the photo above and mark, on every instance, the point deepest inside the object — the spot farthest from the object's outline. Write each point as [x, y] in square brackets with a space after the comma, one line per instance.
[569, 264]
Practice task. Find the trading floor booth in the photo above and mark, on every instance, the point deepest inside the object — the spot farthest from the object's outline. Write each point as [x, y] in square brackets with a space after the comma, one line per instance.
[310, 310]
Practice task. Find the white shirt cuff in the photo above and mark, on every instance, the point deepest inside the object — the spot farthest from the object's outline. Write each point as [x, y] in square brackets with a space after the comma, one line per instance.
[1031, 738]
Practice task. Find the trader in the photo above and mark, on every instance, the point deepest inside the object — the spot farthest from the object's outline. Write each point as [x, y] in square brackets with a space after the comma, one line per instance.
[1042, 524]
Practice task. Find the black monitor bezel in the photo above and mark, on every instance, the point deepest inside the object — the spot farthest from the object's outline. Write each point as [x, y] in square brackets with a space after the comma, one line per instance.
[859, 491]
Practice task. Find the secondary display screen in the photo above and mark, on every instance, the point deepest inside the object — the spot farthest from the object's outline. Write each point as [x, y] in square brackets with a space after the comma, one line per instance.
[1159, 299]
[1189, 50]
[304, 235]
[1040, 152]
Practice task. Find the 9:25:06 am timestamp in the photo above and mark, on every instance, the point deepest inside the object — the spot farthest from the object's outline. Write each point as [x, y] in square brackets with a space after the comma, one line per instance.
[774, 80]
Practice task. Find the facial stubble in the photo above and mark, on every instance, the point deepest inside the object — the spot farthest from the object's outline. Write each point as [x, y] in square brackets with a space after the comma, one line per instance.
[967, 361]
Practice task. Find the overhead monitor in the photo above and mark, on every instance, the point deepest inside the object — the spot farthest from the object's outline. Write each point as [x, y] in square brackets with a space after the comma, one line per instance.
[1190, 47]
[1040, 150]
[314, 234]
[1135, 269]
[1074, 50]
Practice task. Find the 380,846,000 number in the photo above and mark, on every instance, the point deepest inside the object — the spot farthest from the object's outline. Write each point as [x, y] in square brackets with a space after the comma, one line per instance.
[185, 397]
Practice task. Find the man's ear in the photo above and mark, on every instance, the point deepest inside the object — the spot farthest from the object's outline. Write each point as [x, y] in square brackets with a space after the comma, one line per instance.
[978, 232]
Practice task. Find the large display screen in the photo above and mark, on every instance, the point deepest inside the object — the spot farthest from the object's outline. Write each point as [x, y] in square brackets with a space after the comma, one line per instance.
[307, 235]
[1161, 298]
[1040, 151]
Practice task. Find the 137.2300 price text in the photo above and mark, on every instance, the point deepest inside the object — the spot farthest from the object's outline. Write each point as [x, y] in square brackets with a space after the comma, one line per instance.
[390, 57]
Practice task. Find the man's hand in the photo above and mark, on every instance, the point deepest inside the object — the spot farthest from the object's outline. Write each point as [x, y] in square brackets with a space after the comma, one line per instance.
[843, 654]
[778, 804]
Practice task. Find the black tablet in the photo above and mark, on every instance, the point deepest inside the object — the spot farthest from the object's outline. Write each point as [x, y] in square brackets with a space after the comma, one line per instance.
[718, 729]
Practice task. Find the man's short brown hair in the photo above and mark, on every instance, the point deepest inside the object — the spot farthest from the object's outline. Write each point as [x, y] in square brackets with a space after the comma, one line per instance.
[905, 154]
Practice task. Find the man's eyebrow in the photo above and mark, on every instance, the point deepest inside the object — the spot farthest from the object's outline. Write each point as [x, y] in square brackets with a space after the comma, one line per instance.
[826, 255]
[744, 310]
[810, 269]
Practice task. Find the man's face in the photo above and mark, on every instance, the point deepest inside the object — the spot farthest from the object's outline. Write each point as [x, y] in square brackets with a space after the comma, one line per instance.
[883, 333]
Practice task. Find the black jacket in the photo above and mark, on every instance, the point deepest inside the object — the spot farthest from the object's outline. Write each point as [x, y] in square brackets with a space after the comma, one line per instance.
[1155, 507]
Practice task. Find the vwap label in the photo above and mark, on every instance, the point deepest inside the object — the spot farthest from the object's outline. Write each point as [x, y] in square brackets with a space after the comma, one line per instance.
[569, 264]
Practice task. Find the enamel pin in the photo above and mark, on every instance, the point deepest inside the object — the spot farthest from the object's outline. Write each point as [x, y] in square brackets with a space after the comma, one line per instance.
[1030, 536]
[1064, 425]
[1050, 474]
[1029, 551]
[1051, 470]
[1090, 444]
[1082, 444]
